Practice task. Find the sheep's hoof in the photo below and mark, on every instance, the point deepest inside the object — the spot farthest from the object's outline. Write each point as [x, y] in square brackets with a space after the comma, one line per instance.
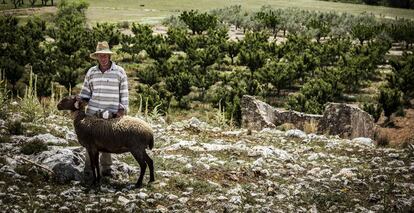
[151, 180]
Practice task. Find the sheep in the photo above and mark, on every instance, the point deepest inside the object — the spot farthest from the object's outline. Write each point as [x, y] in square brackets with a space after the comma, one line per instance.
[118, 135]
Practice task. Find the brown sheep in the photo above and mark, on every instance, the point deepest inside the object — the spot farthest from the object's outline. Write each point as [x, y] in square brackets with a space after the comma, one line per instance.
[119, 135]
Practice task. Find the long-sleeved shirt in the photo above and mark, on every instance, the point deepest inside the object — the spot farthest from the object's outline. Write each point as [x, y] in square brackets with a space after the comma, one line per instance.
[105, 91]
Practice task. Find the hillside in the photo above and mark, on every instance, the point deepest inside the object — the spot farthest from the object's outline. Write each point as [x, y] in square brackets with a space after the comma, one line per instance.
[200, 167]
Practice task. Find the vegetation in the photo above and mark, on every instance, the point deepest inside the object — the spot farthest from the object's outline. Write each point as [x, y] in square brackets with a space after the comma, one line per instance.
[324, 56]
[33, 147]
[408, 4]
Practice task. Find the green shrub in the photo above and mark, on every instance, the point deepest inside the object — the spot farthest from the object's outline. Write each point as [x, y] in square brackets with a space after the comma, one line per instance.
[312, 97]
[15, 127]
[151, 96]
[373, 109]
[390, 100]
[33, 147]
[124, 25]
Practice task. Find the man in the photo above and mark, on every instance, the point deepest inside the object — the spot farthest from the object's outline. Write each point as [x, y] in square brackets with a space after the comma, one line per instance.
[105, 88]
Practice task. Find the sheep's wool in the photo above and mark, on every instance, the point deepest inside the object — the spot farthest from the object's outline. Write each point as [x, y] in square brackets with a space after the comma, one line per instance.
[124, 124]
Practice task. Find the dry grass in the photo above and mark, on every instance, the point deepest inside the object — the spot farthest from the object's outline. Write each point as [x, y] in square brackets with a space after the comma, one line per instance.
[286, 126]
[151, 12]
[310, 127]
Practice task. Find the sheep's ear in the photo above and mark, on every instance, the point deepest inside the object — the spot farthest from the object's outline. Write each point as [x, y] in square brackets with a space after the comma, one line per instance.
[76, 105]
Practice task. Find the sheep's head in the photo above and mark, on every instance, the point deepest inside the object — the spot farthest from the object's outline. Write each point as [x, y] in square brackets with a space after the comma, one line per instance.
[72, 103]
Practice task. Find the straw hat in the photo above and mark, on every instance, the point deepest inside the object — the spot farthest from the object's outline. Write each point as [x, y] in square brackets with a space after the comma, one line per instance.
[101, 48]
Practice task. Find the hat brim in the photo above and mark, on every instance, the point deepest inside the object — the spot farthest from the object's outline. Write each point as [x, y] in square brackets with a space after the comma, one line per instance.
[94, 55]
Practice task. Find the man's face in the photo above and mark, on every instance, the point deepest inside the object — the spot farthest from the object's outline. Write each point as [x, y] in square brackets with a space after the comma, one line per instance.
[103, 59]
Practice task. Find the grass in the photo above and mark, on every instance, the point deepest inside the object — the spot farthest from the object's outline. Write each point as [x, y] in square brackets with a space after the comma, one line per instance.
[149, 11]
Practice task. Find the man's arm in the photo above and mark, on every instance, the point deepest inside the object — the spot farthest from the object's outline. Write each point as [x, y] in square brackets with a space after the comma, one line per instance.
[86, 92]
[123, 97]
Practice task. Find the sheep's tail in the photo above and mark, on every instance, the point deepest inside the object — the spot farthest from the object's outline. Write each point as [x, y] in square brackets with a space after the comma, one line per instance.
[151, 142]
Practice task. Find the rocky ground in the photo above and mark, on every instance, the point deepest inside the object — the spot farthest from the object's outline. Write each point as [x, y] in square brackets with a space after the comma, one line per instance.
[202, 168]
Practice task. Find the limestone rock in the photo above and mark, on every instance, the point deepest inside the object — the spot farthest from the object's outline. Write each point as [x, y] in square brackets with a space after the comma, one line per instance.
[49, 139]
[347, 121]
[67, 163]
[256, 114]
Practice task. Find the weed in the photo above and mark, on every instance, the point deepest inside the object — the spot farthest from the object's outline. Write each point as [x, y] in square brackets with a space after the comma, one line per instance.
[33, 147]
[34, 174]
[32, 129]
[29, 104]
[5, 139]
[3, 160]
[220, 116]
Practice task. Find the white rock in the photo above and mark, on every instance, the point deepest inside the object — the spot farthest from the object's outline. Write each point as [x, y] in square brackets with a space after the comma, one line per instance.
[63, 209]
[49, 139]
[236, 200]
[188, 166]
[123, 200]
[142, 195]
[221, 198]
[393, 155]
[194, 122]
[71, 136]
[346, 172]
[364, 141]
[158, 196]
[296, 133]
[172, 197]
[183, 200]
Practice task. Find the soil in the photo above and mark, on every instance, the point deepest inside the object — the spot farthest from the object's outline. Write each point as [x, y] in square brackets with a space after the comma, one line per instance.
[29, 11]
[402, 131]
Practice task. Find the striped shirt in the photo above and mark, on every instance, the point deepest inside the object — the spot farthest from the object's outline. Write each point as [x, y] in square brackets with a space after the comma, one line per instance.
[105, 91]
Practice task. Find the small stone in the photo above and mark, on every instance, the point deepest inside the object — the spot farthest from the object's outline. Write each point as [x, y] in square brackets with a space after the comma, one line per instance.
[183, 200]
[158, 196]
[394, 155]
[364, 141]
[295, 133]
[142, 195]
[64, 209]
[161, 208]
[236, 200]
[123, 200]
[172, 197]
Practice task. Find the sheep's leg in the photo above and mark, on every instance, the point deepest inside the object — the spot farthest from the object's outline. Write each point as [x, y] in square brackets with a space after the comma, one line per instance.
[92, 161]
[143, 166]
[94, 158]
[150, 164]
[98, 172]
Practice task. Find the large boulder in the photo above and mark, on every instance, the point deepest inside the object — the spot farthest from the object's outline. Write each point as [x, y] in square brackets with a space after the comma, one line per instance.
[66, 163]
[258, 115]
[347, 121]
